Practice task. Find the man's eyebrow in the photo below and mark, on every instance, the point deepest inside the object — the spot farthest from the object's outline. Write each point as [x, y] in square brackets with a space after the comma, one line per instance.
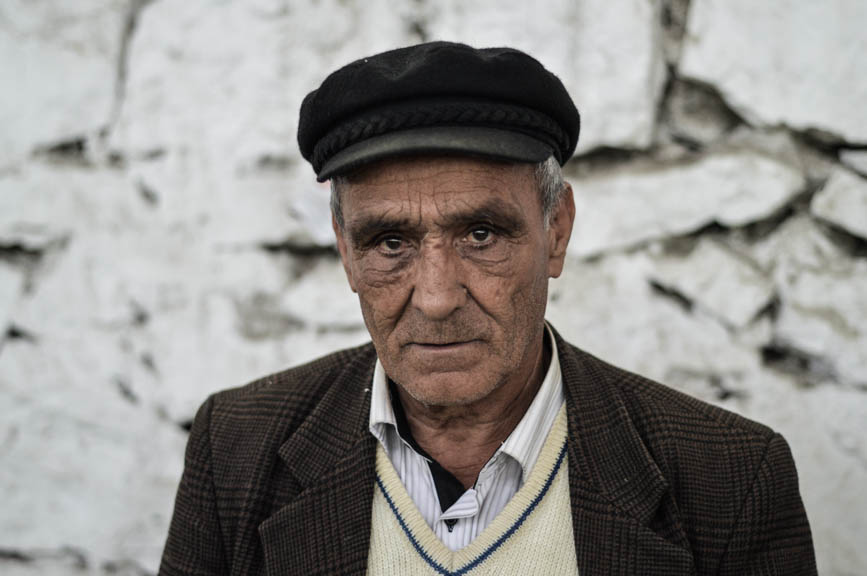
[495, 212]
[364, 227]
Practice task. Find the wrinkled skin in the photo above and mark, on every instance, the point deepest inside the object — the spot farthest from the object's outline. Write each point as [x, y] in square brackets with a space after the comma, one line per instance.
[450, 258]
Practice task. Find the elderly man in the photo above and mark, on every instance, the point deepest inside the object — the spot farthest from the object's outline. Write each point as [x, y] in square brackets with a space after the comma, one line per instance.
[468, 438]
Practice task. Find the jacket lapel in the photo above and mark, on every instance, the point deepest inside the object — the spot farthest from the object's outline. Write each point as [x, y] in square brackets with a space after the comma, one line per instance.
[325, 529]
[623, 517]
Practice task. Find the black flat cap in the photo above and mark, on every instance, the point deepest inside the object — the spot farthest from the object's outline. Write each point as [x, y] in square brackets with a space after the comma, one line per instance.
[437, 98]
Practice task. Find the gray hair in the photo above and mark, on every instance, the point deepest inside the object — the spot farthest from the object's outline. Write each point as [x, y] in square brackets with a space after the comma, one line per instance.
[551, 186]
[547, 175]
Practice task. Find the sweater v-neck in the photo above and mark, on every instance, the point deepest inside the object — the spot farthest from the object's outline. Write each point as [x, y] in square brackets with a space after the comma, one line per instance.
[551, 462]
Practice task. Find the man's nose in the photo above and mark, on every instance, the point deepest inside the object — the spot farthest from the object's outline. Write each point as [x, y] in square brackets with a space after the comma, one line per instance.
[439, 289]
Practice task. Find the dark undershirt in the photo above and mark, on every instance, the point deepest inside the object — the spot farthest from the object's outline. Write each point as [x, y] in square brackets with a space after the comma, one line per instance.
[449, 489]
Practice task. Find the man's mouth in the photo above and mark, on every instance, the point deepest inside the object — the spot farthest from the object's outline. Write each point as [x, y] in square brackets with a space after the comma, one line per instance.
[442, 345]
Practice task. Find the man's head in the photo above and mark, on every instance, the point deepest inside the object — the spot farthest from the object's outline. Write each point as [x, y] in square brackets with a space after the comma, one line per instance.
[449, 208]
[450, 258]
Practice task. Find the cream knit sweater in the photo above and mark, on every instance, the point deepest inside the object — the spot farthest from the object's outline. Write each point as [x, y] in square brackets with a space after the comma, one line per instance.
[532, 535]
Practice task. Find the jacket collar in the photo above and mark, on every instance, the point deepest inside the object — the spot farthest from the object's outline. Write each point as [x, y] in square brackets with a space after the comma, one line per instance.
[332, 458]
[606, 449]
[622, 509]
[335, 426]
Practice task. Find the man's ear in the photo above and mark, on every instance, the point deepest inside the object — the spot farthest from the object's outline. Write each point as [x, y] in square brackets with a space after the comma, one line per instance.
[559, 231]
[342, 248]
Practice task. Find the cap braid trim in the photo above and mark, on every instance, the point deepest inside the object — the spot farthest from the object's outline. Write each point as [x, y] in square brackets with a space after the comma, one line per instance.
[418, 114]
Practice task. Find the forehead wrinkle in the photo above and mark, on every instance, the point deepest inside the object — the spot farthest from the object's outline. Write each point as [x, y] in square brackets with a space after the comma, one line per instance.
[493, 198]
[495, 210]
[381, 205]
[422, 168]
[408, 193]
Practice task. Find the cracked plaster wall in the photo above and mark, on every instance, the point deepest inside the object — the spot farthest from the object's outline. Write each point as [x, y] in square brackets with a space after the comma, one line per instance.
[160, 237]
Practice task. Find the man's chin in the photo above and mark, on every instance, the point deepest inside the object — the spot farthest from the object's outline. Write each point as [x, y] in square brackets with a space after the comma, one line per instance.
[447, 389]
[447, 356]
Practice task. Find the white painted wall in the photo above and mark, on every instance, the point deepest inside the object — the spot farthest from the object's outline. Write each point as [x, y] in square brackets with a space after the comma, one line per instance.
[161, 238]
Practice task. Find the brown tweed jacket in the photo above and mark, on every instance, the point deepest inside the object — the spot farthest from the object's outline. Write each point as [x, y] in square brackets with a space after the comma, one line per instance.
[279, 479]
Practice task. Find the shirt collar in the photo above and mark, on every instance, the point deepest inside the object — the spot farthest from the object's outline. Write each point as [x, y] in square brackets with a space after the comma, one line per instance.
[523, 444]
[381, 410]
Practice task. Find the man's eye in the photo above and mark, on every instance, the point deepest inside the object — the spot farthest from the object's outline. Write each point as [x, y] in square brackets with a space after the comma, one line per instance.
[391, 243]
[480, 235]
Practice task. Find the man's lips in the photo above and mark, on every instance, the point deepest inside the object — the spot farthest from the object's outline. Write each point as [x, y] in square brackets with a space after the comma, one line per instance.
[441, 345]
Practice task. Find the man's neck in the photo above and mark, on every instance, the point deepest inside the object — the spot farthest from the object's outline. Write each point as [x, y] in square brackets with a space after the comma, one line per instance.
[463, 438]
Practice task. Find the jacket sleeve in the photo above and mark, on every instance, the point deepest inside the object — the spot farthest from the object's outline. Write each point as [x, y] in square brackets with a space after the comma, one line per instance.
[194, 545]
[772, 535]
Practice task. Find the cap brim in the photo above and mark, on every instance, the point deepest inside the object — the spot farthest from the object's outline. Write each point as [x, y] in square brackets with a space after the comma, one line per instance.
[492, 143]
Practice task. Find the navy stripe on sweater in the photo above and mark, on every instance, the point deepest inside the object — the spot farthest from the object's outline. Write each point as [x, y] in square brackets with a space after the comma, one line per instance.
[490, 549]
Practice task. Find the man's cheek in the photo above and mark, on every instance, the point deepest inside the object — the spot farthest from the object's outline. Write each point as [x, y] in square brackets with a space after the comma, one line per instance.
[497, 261]
[382, 298]
[499, 288]
[379, 274]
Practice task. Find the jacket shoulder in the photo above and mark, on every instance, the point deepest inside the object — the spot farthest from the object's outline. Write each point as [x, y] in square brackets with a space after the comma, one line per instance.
[234, 476]
[732, 485]
[269, 409]
[662, 411]
[305, 379]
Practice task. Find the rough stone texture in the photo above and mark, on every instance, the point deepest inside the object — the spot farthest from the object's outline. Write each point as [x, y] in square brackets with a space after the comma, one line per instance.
[609, 308]
[717, 279]
[783, 61]
[187, 72]
[209, 116]
[855, 159]
[822, 305]
[11, 284]
[187, 247]
[824, 316]
[175, 65]
[674, 17]
[184, 320]
[47, 563]
[798, 243]
[608, 54]
[43, 204]
[243, 209]
[843, 202]
[104, 471]
[696, 114]
[616, 209]
[57, 66]
[322, 299]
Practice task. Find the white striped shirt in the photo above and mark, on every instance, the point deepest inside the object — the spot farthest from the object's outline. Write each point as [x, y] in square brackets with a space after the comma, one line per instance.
[499, 479]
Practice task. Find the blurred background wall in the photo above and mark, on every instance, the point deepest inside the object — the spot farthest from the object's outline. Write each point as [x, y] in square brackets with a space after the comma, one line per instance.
[161, 238]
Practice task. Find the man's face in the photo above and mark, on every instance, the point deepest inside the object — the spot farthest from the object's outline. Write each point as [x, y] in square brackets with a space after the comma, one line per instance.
[450, 258]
